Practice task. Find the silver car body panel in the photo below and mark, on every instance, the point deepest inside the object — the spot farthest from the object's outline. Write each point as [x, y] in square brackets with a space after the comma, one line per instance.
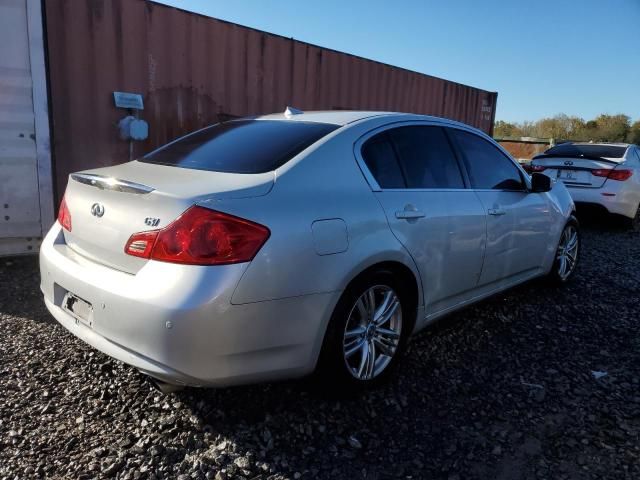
[266, 319]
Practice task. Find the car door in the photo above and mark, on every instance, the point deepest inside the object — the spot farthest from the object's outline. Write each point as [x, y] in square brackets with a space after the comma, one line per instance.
[419, 183]
[518, 221]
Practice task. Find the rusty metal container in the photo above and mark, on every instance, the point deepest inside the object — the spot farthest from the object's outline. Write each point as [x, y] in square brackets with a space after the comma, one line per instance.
[194, 70]
[524, 150]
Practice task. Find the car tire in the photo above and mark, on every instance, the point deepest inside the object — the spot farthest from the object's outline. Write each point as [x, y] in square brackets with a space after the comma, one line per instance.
[567, 253]
[357, 337]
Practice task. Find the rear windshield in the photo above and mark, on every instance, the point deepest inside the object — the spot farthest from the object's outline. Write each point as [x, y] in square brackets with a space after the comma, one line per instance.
[586, 150]
[241, 146]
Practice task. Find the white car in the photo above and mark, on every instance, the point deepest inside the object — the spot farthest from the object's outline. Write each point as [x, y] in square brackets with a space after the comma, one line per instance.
[603, 174]
[267, 248]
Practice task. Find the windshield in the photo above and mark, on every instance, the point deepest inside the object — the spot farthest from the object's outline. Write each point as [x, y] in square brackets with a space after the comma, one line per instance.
[241, 146]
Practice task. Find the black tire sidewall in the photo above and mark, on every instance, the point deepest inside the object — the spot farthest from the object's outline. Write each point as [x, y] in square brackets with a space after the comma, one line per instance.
[332, 368]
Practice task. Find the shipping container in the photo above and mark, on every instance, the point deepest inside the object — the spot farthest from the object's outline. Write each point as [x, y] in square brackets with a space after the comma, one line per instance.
[191, 71]
[26, 199]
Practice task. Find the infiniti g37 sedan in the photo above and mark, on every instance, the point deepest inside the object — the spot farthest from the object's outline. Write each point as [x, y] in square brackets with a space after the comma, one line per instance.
[293, 243]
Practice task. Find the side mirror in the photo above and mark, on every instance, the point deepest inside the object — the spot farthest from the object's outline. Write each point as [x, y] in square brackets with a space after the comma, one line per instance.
[540, 183]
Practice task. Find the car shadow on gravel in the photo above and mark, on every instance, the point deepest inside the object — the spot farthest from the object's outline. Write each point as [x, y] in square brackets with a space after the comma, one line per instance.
[503, 389]
[536, 382]
[599, 220]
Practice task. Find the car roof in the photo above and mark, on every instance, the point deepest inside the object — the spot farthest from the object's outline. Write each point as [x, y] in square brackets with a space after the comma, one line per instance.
[344, 117]
[335, 117]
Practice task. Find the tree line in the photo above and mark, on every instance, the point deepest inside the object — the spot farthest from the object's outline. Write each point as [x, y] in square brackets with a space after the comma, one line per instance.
[604, 128]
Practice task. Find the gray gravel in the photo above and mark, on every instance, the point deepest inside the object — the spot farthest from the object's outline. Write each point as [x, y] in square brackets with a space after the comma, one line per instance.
[504, 389]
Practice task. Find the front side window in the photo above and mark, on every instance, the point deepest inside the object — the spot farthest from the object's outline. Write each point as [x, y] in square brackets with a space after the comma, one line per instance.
[487, 166]
[426, 157]
[241, 146]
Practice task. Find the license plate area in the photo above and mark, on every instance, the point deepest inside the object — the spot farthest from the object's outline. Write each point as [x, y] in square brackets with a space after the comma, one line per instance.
[575, 177]
[569, 175]
[81, 310]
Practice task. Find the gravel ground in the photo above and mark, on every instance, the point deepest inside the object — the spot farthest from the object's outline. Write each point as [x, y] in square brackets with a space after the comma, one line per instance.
[505, 389]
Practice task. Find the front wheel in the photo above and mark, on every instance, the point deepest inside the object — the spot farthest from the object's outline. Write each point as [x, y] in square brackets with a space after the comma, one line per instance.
[567, 253]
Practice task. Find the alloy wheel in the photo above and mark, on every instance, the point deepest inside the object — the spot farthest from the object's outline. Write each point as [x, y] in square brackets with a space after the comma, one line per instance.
[372, 333]
[567, 254]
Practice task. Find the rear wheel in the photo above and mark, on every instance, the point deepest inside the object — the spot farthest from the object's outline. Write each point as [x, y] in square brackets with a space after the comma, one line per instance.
[367, 332]
[567, 253]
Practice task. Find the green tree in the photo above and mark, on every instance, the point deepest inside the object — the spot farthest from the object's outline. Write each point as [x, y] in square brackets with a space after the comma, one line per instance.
[504, 129]
[552, 127]
[634, 133]
[604, 128]
[613, 128]
[561, 127]
[528, 128]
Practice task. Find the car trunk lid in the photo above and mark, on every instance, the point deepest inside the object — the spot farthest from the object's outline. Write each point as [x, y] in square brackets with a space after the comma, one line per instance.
[108, 205]
[575, 171]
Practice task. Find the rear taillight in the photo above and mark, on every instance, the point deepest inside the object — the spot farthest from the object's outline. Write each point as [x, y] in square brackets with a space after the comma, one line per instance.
[64, 216]
[620, 175]
[534, 168]
[140, 244]
[612, 174]
[201, 237]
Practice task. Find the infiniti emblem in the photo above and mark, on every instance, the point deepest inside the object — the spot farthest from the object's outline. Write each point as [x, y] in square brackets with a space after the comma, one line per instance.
[97, 210]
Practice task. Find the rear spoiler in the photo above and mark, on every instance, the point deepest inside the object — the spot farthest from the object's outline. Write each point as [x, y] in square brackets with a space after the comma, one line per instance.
[579, 156]
[108, 183]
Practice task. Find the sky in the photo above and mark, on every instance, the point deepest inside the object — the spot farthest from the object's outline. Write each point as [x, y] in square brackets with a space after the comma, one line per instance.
[543, 57]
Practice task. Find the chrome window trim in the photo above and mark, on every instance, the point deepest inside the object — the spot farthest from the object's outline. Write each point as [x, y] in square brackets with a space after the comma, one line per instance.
[109, 183]
[499, 190]
[426, 189]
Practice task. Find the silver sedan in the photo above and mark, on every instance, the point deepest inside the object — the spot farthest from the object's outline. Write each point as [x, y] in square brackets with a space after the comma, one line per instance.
[273, 247]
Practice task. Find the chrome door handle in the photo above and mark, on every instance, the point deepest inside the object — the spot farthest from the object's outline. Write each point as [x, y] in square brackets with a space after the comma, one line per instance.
[409, 214]
[496, 211]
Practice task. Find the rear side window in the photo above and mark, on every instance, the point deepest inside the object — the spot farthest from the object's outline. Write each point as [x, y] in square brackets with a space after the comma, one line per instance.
[242, 146]
[381, 160]
[426, 157]
[487, 166]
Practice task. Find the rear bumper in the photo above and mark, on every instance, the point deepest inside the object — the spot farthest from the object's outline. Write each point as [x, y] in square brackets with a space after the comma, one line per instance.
[620, 199]
[177, 323]
[119, 352]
